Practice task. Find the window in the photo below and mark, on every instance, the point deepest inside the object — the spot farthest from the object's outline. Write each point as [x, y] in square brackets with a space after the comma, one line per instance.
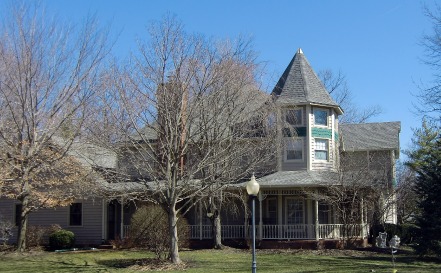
[294, 150]
[323, 213]
[76, 214]
[18, 214]
[294, 211]
[321, 149]
[294, 116]
[321, 117]
[271, 210]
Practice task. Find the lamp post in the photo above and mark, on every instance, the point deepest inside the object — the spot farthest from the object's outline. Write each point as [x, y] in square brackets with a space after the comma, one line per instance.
[253, 190]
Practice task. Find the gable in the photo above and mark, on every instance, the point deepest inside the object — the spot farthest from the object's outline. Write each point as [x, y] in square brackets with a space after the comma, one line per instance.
[370, 136]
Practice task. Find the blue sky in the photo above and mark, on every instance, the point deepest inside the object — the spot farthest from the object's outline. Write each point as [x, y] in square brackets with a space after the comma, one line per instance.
[374, 43]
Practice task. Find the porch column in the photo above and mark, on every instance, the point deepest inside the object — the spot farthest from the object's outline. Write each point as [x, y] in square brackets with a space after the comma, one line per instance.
[103, 220]
[260, 215]
[362, 218]
[280, 214]
[335, 231]
[122, 218]
[200, 220]
[317, 237]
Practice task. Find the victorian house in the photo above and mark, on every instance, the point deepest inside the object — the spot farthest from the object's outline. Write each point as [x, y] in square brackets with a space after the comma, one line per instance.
[317, 160]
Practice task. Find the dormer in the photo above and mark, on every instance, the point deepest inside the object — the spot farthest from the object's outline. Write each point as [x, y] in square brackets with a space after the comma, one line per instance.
[308, 119]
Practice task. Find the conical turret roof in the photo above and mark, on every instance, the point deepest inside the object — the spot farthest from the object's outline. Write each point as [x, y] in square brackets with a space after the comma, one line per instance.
[299, 84]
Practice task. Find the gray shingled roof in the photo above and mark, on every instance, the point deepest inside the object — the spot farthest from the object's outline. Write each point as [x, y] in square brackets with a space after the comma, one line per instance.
[298, 179]
[370, 136]
[299, 84]
[87, 153]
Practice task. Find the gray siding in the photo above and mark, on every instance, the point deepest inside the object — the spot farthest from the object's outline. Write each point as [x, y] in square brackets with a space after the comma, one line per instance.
[90, 233]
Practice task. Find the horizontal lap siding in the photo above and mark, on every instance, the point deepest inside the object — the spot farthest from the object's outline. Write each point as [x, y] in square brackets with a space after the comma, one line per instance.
[89, 233]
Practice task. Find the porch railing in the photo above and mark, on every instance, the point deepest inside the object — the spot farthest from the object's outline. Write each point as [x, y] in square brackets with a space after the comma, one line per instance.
[283, 232]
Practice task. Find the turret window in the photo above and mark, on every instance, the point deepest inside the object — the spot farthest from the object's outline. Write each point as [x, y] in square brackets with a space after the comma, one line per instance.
[321, 117]
[294, 150]
[293, 116]
[321, 149]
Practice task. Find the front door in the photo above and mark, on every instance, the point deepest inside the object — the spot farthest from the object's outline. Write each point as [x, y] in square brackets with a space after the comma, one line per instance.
[113, 220]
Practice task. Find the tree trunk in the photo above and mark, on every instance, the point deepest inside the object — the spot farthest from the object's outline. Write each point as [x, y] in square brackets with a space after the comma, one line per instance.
[217, 231]
[174, 240]
[22, 229]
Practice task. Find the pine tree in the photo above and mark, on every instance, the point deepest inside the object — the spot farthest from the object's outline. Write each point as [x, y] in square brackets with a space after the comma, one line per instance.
[425, 160]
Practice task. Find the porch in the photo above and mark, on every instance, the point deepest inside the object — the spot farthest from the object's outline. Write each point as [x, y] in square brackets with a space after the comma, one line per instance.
[283, 232]
[281, 214]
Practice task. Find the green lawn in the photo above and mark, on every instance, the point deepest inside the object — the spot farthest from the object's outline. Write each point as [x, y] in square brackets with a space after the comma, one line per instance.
[228, 260]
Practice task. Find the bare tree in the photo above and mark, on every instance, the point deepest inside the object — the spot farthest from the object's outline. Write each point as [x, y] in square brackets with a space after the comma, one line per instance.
[429, 96]
[360, 194]
[197, 120]
[407, 199]
[337, 86]
[47, 76]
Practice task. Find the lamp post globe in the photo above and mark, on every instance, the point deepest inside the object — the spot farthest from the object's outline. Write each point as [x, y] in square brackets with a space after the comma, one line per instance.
[252, 186]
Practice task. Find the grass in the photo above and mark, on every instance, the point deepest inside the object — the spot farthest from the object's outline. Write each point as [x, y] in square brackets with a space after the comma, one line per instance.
[228, 260]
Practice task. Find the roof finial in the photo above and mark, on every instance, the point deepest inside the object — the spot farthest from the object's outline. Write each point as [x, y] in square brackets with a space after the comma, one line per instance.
[299, 51]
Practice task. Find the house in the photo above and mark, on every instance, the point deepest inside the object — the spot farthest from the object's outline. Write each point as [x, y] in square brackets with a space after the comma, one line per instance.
[318, 157]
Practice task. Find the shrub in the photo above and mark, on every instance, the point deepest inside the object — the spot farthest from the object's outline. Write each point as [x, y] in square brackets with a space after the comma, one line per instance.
[5, 230]
[37, 236]
[408, 233]
[34, 236]
[61, 239]
[149, 229]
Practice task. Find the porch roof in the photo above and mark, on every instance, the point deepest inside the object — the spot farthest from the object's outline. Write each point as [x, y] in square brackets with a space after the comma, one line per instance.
[302, 178]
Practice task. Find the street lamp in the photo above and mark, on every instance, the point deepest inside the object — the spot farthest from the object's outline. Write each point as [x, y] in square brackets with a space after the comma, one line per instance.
[253, 190]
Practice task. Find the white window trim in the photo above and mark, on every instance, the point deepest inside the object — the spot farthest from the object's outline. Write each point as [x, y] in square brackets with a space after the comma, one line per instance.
[285, 112]
[315, 149]
[285, 149]
[327, 117]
